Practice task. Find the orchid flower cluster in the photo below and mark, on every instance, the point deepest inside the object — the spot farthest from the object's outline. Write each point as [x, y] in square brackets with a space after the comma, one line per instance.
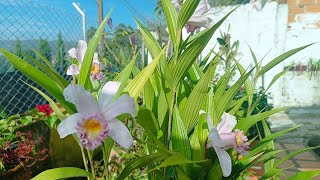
[221, 138]
[78, 55]
[173, 91]
[95, 119]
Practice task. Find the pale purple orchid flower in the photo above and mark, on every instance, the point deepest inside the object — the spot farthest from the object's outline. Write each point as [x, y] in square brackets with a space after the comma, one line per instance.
[96, 120]
[79, 55]
[200, 18]
[222, 138]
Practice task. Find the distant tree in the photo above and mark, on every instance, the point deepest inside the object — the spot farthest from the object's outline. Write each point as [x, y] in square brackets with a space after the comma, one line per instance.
[44, 49]
[60, 54]
[18, 50]
[90, 32]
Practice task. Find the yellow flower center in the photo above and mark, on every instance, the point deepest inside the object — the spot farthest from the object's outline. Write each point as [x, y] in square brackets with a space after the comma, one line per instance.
[239, 139]
[93, 127]
[95, 69]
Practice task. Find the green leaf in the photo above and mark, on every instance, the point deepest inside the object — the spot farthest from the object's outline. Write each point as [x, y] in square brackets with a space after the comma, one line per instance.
[38, 77]
[150, 41]
[162, 107]
[261, 145]
[277, 76]
[140, 162]
[247, 84]
[62, 173]
[237, 105]
[280, 58]
[305, 175]
[171, 18]
[135, 87]
[124, 76]
[194, 103]
[180, 141]
[181, 175]
[253, 56]
[53, 105]
[274, 171]
[51, 121]
[150, 124]
[49, 72]
[270, 146]
[245, 123]
[155, 49]
[193, 51]
[48, 63]
[84, 76]
[194, 73]
[187, 10]
[26, 120]
[222, 101]
[179, 159]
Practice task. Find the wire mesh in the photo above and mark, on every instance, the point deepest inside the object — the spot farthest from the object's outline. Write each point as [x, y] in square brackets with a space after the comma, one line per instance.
[26, 25]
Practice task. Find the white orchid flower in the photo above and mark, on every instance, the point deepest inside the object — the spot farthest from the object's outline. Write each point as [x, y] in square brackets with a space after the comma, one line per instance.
[200, 18]
[97, 120]
[222, 138]
[79, 55]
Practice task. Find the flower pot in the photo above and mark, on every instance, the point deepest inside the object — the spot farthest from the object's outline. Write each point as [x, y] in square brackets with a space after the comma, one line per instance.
[64, 152]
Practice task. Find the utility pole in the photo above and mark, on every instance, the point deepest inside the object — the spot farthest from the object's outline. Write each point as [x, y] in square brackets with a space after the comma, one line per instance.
[100, 19]
[81, 12]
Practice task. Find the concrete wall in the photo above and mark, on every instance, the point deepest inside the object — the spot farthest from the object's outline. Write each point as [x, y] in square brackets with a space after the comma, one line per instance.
[278, 28]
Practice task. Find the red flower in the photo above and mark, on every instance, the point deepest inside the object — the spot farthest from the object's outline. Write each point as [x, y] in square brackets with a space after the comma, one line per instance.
[45, 108]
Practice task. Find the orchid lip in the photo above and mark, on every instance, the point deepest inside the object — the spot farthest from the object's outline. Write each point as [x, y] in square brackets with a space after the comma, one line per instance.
[92, 130]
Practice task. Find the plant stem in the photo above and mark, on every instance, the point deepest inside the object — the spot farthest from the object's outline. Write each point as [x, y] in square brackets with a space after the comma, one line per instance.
[84, 159]
[91, 164]
[105, 160]
[171, 116]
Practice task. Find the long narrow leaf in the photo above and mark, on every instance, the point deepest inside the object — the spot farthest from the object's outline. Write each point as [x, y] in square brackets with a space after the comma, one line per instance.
[62, 173]
[84, 76]
[281, 58]
[38, 77]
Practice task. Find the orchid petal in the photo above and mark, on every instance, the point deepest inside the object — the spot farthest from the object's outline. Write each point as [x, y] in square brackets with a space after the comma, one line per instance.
[227, 123]
[215, 139]
[124, 104]
[229, 139]
[84, 101]
[96, 58]
[199, 21]
[67, 126]
[203, 7]
[107, 93]
[120, 133]
[82, 47]
[73, 53]
[73, 70]
[225, 161]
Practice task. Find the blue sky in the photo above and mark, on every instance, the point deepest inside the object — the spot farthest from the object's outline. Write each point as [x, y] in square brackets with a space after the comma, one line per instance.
[35, 19]
[123, 10]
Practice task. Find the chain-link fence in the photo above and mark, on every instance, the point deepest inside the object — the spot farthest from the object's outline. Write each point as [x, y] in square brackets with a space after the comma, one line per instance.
[24, 26]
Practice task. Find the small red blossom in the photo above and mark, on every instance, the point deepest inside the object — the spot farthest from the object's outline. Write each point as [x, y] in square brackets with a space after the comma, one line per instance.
[45, 108]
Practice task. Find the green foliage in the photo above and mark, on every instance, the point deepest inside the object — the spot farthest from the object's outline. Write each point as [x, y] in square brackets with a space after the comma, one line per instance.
[171, 91]
[61, 53]
[44, 49]
[62, 173]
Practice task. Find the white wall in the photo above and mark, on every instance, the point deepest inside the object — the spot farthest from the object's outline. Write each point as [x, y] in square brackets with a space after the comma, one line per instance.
[267, 30]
